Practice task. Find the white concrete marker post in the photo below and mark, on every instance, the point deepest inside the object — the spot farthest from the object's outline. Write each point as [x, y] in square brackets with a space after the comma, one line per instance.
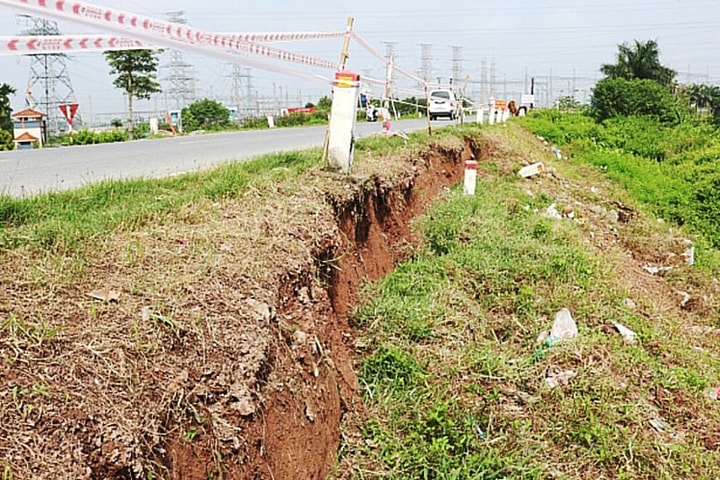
[505, 115]
[470, 177]
[480, 115]
[342, 121]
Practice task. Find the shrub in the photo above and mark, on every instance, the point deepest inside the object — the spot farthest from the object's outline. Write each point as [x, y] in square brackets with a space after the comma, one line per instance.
[619, 97]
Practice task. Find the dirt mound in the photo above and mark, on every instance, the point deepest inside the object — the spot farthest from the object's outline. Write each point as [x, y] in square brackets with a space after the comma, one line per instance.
[213, 346]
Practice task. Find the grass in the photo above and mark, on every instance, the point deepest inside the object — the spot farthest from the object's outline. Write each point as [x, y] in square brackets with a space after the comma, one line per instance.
[455, 382]
[63, 221]
[453, 378]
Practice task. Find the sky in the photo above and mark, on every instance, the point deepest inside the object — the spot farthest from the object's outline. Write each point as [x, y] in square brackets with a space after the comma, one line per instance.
[495, 46]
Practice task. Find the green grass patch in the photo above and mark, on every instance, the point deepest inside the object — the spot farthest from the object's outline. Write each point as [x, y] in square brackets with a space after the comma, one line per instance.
[64, 220]
[455, 381]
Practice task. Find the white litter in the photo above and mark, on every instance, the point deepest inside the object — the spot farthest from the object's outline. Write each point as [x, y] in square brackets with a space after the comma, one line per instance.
[627, 334]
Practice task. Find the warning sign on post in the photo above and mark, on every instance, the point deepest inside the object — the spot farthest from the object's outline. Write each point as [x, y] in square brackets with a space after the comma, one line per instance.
[68, 110]
[346, 79]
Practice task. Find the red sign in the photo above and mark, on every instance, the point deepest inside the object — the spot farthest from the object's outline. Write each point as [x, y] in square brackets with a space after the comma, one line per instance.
[301, 109]
[346, 79]
[68, 110]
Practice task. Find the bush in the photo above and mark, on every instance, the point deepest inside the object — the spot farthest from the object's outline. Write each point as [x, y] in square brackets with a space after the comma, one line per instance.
[205, 114]
[88, 137]
[6, 140]
[619, 97]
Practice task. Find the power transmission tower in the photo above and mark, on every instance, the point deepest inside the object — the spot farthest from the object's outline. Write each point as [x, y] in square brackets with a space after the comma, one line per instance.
[49, 82]
[484, 88]
[238, 99]
[493, 79]
[425, 62]
[456, 65]
[180, 87]
[252, 103]
[389, 50]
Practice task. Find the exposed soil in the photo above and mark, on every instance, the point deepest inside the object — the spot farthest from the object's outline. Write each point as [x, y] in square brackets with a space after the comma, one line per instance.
[222, 347]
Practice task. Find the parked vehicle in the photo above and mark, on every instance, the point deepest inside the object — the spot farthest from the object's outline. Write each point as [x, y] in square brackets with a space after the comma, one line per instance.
[372, 113]
[442, 103]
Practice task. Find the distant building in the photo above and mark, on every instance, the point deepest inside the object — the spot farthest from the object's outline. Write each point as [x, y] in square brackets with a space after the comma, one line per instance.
[29, 129]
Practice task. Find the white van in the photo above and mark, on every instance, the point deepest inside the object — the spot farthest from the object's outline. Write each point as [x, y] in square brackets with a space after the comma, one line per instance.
[442, 103]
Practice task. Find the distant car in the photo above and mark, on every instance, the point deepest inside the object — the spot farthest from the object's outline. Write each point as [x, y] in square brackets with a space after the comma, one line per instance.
[443, 103]
[372, 113]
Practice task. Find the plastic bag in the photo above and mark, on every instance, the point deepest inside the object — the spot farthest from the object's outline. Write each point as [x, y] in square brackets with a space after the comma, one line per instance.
[564, 326]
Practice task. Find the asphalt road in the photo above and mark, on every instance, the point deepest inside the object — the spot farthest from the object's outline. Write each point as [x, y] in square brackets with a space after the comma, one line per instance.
[29, 172]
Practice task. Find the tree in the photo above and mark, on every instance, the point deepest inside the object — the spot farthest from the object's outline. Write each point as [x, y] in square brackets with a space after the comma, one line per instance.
[714, 104]
[703, 97]
[205, 114]
[6, 124]
[568, 103]
[613, 97]
[641, 61]
[136, 72]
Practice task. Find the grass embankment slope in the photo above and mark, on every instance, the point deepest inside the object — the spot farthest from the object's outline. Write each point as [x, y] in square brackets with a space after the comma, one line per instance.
[454, 381]
[457, 384]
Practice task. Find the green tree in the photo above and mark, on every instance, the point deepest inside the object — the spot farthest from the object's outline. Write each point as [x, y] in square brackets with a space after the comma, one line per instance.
[614, 97]
[324, 104]
[568, 103]
[703, 97]
[6, 124]
[714, 104]
[639, 61]
[205, 114]
[136, 72]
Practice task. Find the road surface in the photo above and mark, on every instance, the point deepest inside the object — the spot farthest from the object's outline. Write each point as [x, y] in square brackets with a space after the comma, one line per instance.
[29, 172]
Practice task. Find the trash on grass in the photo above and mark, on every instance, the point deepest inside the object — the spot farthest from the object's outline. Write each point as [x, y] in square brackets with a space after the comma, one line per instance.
[556, 379]
[627, 334]
[105, 295]
[532, 169]
[557, 152]
[658, 423]
[686, 298]
[552, 212]
[714, 393]
[629, 303]
[564, 326]
[526, 398]
[689, 256]
[653, 270]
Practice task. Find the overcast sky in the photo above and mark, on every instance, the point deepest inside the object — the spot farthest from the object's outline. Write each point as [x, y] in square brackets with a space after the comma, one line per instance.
[566, 40]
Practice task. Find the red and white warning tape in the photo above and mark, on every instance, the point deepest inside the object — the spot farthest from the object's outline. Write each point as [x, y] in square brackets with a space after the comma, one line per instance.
[37, 45]
[281, 37]
[167, 34]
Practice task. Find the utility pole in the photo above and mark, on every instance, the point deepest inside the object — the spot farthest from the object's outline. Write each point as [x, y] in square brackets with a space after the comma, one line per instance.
[49, 75]
[344, 55]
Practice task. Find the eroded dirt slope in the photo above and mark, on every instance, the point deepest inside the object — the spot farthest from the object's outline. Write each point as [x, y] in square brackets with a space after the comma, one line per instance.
[212, 345]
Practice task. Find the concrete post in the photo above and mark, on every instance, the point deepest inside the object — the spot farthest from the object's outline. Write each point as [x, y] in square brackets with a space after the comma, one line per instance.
[470, 177]
[342, 121]
[480, 115]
